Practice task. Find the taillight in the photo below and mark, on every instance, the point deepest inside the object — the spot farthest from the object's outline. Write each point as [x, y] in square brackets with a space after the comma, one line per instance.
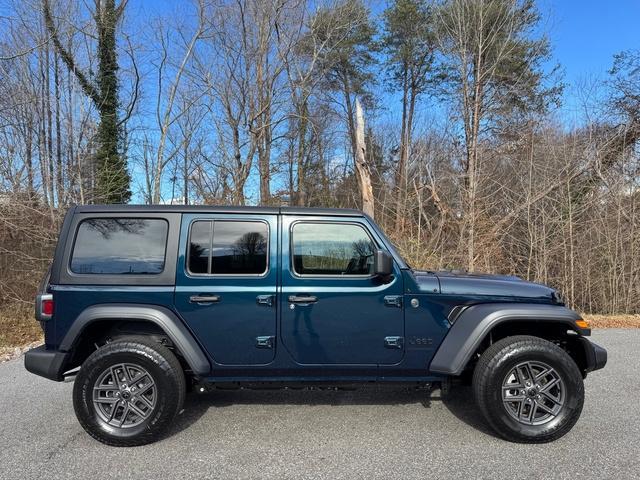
[47, 307]
[44, 307]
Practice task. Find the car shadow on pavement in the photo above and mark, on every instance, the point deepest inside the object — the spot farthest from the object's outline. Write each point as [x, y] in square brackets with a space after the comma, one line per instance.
[459, 402]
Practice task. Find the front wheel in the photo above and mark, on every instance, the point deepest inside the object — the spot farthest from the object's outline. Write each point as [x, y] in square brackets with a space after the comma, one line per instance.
[528, 389]
[128, 392]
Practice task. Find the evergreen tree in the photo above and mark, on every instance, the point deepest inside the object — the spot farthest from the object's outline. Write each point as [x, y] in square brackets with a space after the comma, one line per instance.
[341, 38]
[409, 42]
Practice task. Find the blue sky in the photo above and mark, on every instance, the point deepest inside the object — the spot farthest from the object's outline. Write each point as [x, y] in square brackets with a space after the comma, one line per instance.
[585, 35]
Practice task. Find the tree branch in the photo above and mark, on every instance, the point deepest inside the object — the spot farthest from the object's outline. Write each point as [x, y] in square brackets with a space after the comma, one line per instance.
[89, 89]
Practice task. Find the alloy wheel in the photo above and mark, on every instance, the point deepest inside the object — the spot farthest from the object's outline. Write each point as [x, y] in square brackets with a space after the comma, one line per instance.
[124, 395]
[533, 393]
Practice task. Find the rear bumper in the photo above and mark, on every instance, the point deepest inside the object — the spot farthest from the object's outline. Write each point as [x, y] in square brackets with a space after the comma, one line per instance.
[46, 363]
[595, 355]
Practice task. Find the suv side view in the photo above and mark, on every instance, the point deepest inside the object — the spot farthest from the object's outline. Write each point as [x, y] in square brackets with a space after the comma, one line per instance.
[143, 303]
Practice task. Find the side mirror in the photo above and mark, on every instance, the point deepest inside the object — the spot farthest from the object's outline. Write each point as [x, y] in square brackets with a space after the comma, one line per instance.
[382, 264]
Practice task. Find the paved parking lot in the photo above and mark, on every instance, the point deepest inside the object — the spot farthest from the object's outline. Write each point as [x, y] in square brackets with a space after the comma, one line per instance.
[368, 433]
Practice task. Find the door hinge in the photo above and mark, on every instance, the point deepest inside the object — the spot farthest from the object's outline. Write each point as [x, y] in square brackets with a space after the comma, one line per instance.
[393, 342]
[265, 300]
[265, 342]
[393, 301]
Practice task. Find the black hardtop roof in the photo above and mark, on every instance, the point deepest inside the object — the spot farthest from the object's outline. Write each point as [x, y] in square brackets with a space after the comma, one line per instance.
[343, 212]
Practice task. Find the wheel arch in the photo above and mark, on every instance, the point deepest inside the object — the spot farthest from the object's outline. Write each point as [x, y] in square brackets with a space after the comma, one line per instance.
[153, 320]
[476, 325]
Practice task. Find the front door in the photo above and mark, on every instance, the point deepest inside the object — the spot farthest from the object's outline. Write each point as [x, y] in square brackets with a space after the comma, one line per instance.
[226, 285]
[334, 310]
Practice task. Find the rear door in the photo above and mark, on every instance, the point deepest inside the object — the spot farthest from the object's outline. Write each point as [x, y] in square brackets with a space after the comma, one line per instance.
[226, 285]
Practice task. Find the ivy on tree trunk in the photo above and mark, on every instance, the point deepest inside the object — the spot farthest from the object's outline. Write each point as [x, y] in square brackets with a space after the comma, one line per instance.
[112, 176]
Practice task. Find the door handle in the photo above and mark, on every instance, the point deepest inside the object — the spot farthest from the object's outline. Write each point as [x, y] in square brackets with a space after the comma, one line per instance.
[265, 342]
[303, 299]
[393, 301]
[265, 300]
[204, 298]
[394, 342]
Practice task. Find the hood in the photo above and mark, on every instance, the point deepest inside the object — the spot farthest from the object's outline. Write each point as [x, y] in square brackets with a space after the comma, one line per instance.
[454, 283]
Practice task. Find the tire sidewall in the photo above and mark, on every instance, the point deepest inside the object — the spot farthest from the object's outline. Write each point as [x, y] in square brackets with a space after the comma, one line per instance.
[569, 375]
[162, 412]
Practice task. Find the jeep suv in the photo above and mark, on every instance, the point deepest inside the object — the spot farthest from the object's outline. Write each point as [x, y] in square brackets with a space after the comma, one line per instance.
[143, 303]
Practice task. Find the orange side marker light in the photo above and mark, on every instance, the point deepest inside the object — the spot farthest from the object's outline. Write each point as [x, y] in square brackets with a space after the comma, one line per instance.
[582, 323]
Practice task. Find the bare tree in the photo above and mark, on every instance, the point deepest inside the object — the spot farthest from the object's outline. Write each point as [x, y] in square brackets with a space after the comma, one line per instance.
[493, 69]
[166, 112]
[364, 174]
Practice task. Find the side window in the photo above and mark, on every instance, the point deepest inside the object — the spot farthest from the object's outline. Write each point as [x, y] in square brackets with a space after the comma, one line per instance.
[332, 249]
[120, 246]
[225, 247]
[200, 247]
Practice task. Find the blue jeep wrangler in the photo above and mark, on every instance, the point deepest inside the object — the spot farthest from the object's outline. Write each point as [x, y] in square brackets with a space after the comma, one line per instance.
[143, 303]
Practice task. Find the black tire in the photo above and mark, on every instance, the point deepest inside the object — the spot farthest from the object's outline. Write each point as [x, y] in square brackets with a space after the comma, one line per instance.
[167, 382]
[494, 369]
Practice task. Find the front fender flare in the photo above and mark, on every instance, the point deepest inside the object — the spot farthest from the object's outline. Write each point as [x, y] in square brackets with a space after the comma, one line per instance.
[161, 316]
[475, 322]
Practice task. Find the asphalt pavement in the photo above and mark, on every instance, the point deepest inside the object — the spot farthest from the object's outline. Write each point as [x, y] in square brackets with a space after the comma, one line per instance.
[368, 433]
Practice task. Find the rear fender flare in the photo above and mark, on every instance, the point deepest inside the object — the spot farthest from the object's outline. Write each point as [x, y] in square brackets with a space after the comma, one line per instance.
[160, 316]
[474, 324]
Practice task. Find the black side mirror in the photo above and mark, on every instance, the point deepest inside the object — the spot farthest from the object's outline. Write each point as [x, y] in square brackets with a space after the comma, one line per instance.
[382, 264]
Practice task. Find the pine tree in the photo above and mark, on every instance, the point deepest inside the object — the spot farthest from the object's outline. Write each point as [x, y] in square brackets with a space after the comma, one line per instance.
[342, 40]
[346, 53]
[410, 44]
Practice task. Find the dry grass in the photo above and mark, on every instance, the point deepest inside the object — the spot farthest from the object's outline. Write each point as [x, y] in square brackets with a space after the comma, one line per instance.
[17, 326]
[613, 321]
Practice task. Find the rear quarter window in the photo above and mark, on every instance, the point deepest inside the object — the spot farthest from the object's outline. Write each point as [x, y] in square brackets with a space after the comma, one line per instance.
[120, 246]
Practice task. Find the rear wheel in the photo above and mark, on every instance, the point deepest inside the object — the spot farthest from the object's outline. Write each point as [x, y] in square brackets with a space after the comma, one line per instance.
[128, 392]
[528, 389]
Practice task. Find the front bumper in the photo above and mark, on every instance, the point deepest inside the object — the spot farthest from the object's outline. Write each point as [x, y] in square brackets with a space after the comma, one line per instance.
[46, 363]
[595, 355]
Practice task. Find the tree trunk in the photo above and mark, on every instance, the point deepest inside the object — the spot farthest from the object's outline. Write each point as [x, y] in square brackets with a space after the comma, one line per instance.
[72, 174]
[29, 159]
[400, 180]
[59, 167]
[185, 174]
[472, 161]
[112, 178]
[362, 169]
[302, 133]
[49, 130]
[42, 134]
